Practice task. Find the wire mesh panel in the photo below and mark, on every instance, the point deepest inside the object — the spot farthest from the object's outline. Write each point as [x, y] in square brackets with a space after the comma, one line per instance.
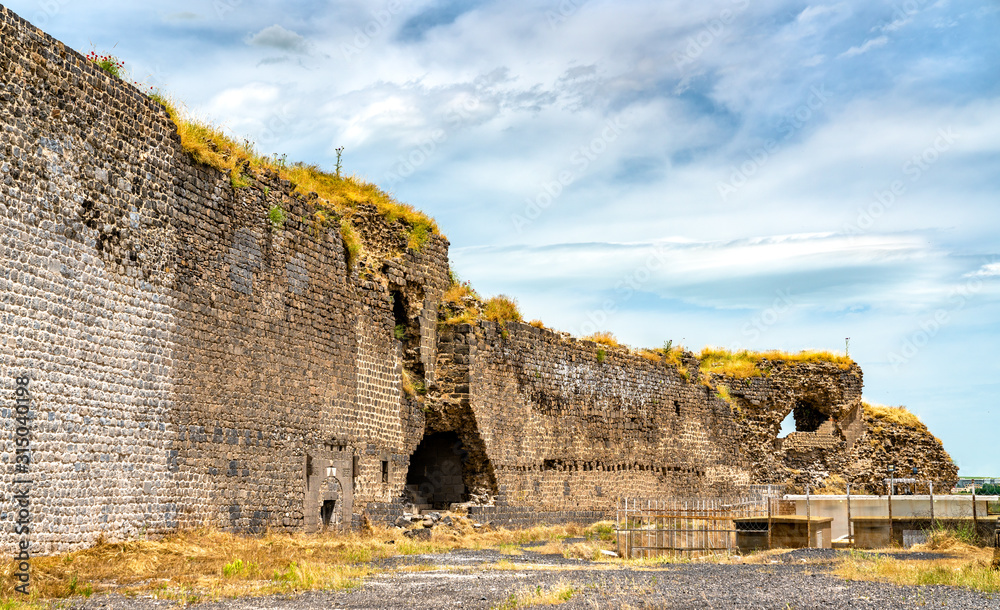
[689, 527]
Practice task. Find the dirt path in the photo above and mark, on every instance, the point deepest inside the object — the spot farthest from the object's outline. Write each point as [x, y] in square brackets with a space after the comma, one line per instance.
[486, 579]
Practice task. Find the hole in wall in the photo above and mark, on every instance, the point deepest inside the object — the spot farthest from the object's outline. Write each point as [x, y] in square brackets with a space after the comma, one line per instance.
[787, 425]
[436, 474]
[399, 313]
[807, 417]
[804, 417]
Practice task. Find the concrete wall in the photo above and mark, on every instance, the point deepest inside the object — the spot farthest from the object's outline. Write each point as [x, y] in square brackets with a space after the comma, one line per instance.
[835, 507]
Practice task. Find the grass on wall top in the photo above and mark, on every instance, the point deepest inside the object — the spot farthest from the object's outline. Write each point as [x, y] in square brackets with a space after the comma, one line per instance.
[894, 415]
[743, 363]
[209, 145]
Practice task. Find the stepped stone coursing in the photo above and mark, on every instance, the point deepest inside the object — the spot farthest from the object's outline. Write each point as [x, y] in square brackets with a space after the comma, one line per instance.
[192, 364]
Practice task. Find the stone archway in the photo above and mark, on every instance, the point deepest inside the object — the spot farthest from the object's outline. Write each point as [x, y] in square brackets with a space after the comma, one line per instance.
[437, 470]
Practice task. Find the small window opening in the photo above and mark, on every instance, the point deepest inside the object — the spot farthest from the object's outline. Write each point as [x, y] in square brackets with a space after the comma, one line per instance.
[677, 408]
[385, 471]
[399, 314]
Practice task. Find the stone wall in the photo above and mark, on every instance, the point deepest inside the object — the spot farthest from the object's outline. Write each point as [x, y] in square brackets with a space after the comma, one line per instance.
[189, 363]
[557, 423]
[184, 362]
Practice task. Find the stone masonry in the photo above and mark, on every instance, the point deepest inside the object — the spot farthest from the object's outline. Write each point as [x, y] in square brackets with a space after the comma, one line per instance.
[189, 363]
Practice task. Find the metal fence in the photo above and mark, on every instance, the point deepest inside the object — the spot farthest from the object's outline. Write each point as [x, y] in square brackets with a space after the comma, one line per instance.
[687, 527]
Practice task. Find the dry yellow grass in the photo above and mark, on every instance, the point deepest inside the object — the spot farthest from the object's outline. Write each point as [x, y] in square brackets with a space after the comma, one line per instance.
[208, 564]
[744, 363]
[895, 415]
[604, 338]
[539, 596]
[408, 388]
[964, 566]
[468, 316]
[832, 485]
[722, 391]
[537, 324]
[649, 354]
[501, 309]
[459, 291]
[338, 195]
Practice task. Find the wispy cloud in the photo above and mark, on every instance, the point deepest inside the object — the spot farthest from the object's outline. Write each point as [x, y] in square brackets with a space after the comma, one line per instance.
[277, 37]
[987, 270]
[874, 43]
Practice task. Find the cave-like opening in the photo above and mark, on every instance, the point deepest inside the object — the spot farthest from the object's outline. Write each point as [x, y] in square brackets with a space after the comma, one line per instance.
[436, 473]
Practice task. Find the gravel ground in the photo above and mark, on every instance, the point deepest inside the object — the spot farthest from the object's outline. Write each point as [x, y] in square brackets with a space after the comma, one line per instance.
[469, 579]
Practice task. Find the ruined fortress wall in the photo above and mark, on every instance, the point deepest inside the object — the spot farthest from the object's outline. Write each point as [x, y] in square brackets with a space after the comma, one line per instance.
[569, 424]
[183, 361]
[188, 362]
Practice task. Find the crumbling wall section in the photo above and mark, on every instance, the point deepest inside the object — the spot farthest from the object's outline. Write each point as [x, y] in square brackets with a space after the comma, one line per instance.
[573, 425]
[824, 399]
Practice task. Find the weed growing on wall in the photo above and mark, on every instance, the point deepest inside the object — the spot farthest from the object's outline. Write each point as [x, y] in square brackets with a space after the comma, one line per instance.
[501, 309]
[109, 63]
[277, 217]
[352, 243]
[604, 338]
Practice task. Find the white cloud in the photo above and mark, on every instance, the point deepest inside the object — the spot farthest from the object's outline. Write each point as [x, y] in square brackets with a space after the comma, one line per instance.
[815, 60]
[874, 43]
[277, 37]
[183, 16]
[895, 25]
[987, 270]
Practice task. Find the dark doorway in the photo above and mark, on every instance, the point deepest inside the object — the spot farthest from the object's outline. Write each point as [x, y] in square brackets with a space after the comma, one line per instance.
[435, 476]
[326, 512]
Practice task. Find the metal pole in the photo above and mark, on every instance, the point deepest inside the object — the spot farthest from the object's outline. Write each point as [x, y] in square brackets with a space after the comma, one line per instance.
[809, 542]
[975, 521]
[769, 523]
[850, 536]
[931, 484]
[890, 508]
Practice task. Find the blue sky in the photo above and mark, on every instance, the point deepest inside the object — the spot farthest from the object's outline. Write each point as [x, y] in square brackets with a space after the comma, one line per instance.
[738, 173]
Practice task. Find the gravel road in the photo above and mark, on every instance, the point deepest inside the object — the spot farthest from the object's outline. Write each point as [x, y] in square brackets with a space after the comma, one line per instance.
[471, 579]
